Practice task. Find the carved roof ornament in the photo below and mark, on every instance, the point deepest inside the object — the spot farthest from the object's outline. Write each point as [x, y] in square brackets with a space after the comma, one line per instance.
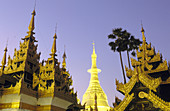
[4, 59]
[31, 25]
[64, 59]
[53, 49]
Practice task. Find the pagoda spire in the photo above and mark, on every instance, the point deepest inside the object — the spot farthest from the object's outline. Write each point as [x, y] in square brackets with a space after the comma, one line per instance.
[31, 25]
[93, 58]
[31, 28]
[53, 49]
[143, 35]
[94, 70]
[64, 59]
[4, 58]
[95, 89]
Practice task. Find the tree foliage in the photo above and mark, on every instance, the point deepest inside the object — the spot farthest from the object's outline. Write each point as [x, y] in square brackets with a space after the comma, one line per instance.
[123, 41]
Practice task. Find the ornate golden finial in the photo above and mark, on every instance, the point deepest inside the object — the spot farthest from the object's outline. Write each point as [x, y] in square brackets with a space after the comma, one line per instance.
[142, 30]
[64, 59]
[53, 50]
[31, 25]
[4, 59]
[143, 35]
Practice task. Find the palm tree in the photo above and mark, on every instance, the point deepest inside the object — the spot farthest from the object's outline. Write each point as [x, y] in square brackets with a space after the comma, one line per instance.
[124, 41]
[131, 44]
[118, 45]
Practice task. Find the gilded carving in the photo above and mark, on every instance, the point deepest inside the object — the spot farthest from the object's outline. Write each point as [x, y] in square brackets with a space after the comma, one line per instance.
[149, 67]
[38, 81]
[141, 94]
[150, 82]
[158, 102]
[134, 62]
[127, 99]
[163, 66]
[126, 88]
[156, 58]
[13, 89]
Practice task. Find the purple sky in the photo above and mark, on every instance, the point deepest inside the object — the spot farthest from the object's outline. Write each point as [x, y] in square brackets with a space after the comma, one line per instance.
[80, 22]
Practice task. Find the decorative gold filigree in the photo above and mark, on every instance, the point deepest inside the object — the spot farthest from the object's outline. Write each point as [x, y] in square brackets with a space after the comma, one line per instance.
[122, 106]
[146, 51]
[13, 89]
[126, 88]
[162, 66]
[38, 81]
[156, 58]
[150, 82]
[46, 92]
[141, 94]
[149, 67]
[157, 102]
[129, 72]
[134, 62]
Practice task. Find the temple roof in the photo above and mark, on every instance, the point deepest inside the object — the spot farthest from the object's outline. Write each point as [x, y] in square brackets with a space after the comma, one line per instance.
[148, 73]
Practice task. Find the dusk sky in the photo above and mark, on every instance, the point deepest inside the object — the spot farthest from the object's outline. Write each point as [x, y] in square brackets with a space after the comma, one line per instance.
[79, 23]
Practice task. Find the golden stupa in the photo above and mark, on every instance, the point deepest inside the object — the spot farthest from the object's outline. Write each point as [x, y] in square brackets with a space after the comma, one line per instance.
[94, 97]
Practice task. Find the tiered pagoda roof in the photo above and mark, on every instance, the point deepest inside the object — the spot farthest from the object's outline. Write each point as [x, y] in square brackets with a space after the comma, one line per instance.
[143, 91]
[27, 84]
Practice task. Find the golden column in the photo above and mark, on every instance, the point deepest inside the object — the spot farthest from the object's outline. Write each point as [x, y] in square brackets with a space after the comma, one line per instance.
[95, 89]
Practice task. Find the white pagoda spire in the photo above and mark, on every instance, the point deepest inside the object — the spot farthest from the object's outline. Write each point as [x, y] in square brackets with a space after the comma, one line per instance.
[95, 88]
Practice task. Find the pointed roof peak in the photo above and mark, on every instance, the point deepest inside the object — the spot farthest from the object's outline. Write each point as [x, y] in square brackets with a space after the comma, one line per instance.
[143, 35]
[33, 12]
[6, 49]
[142, 30]
[4, 58]
[64, 59]
[53, 49]
[64, 55]
[31, 25]
[55, 36]
[6, 46]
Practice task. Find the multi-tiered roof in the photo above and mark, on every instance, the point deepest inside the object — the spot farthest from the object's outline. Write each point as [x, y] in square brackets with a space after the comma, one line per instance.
[27, 84]
[143, 91]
